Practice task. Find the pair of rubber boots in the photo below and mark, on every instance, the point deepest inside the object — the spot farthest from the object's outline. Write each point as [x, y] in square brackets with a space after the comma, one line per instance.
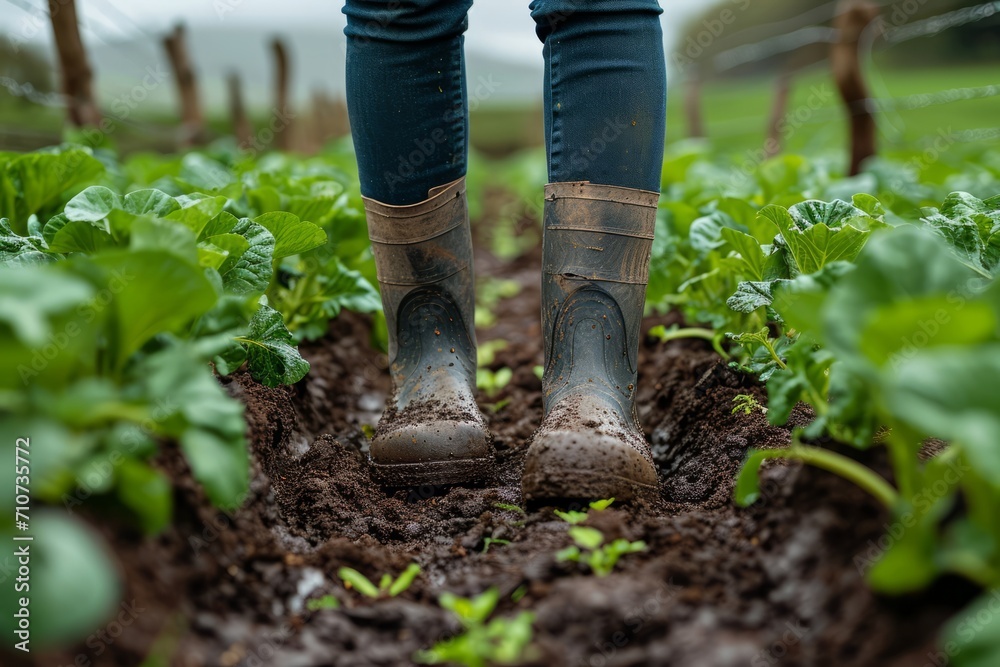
[595, 266]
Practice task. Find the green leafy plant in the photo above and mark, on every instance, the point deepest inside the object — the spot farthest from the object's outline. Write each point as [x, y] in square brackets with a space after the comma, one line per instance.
[325, 602]
[590, 549]
[747, 404]
[500, 641]
[387, 586]
[492, 382]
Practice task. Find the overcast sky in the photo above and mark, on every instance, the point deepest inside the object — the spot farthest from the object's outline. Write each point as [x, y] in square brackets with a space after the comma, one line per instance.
[500, 28]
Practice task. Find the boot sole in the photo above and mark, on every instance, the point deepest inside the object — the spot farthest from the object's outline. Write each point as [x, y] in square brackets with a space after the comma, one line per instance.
[572, 484]
[433, 473]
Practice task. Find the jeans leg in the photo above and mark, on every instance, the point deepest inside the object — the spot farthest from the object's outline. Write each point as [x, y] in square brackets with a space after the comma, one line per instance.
[406, 95]
[605, 98]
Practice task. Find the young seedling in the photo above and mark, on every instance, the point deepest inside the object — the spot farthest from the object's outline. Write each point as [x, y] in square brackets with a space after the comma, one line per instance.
[746, 404]
[574, 517]
[502, 641]
[487, 542]
[591, 550]
[387, 586]
[510, 508]
[492, 382]
[325, 602]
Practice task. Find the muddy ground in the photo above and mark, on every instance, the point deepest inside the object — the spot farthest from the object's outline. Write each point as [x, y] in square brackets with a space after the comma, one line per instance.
[779, 583]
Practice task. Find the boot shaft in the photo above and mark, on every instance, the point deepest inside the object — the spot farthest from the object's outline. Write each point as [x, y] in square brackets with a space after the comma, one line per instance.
[423, 259]
[595, 266]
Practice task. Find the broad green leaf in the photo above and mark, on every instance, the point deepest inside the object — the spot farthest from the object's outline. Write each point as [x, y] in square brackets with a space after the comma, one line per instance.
[93, 204]
[30, 296]
[252, 271]
[153, 234]
[34, 181]
[751, 253]
[972, 637]
[197, 210]
[150, 202]
[271, 354]
[76, 236]
[18, 250]
[952, 393]
[154, 291]
[750, 296]
[205, 173]
[233, 244]
[812, 246]
[291, 235]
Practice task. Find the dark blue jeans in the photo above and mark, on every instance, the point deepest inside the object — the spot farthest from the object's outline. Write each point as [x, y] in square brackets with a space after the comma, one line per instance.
[605, 92]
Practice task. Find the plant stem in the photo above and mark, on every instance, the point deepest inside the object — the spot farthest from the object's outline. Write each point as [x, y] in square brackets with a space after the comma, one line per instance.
[696, 332]
[847, 468]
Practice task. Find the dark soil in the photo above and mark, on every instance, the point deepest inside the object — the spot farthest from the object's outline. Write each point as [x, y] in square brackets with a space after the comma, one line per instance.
[778, 583]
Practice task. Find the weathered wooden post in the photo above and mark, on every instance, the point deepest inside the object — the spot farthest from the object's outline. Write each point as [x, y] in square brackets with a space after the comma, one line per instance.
[237, 111]
[282, 121]
[778, 110]
[77, 76]
[192, 118]
[853, 16]
[692, 105]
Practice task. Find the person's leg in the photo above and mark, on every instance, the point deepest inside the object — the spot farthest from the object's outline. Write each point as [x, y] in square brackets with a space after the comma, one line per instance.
[605, 105]
[407, 102]
[406, 95]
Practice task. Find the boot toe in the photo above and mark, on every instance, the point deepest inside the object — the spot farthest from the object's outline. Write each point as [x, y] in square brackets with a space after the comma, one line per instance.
[435, 452]
[576, 464]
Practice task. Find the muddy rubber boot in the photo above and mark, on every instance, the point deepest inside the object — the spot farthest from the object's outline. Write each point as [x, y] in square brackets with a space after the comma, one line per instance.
[595, 266]
[432, 431]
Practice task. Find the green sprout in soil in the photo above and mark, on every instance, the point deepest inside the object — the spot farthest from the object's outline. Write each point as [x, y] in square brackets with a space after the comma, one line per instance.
[325, 602]
[510, 508]
[574, 517]
[492, 382]
[747, 404]
[387, 586]
[486, 352]
[502, 641]
[487, 542]
[539, 371]
[591, 550]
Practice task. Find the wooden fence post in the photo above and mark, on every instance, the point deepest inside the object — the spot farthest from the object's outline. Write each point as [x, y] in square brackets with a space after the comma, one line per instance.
[692, 106]
[77, 76]
[282, 125]
[778, 110]
[237, 112]
[192, 118]
[853, 16]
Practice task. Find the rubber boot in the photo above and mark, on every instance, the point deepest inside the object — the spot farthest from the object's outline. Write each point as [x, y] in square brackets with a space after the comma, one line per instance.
[432, 431]
[595, 266]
